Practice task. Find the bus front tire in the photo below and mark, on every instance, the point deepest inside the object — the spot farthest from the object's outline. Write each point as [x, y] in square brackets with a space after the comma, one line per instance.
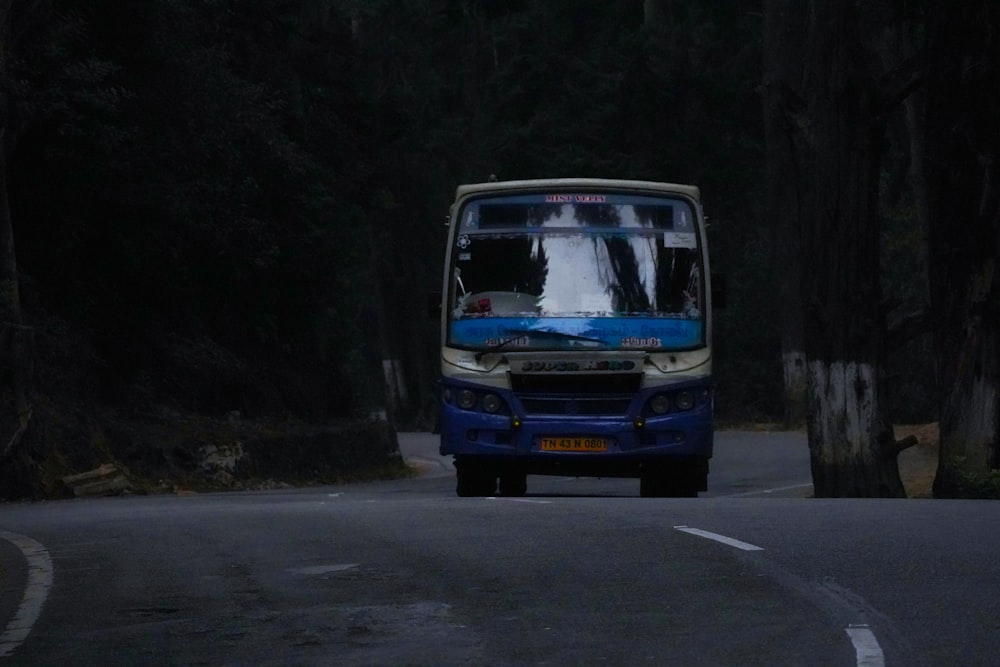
[513, 483]
[475, 480]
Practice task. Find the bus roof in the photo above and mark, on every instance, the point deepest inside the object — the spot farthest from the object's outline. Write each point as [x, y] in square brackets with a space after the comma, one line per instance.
[691, 191]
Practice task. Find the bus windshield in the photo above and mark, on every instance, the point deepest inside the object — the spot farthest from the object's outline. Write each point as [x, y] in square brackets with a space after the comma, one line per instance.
[567, 271]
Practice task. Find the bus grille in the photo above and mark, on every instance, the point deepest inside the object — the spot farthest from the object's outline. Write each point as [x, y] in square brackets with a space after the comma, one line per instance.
[576, 384]
[575, 406]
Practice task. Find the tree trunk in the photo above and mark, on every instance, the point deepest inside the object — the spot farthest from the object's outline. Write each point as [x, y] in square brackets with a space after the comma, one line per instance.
[392, 370]
[833, 136]
[16, 348]
[795, 380]
[969, 417]
[782, 108]
[851, 444]
[16, 340]
[962, 175]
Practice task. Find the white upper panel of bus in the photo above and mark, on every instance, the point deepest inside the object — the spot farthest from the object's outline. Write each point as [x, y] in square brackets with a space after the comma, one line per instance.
[691, 191]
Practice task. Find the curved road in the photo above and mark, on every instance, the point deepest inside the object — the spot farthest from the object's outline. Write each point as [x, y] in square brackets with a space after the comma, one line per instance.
[578, 572]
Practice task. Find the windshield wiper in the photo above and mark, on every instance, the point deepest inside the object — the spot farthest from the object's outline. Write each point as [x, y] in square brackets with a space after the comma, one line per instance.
[518, 334]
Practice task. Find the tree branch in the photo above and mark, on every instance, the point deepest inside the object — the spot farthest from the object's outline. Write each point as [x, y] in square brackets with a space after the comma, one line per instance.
[902, 445]
[906, 328]
[901, 82]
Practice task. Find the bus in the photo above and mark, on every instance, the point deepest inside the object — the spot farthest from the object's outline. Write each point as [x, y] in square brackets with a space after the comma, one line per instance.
[576, 335]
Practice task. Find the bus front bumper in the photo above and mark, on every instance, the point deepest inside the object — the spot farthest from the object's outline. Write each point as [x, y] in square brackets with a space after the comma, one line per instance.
[594, 446]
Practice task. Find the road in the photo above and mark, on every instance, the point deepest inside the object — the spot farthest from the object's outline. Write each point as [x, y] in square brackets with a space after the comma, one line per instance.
[578, 572]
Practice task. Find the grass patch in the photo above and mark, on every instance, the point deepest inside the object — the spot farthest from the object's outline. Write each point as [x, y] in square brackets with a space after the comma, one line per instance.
[980, 487]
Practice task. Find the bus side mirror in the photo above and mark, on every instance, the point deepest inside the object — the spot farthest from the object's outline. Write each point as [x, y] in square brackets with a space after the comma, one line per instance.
[718, 291]
[434, 305]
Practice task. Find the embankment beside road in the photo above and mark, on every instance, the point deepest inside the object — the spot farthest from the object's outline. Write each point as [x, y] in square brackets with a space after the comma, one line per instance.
[170, 452]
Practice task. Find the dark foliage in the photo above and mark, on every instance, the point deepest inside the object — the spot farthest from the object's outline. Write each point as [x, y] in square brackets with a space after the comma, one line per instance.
[232, 205]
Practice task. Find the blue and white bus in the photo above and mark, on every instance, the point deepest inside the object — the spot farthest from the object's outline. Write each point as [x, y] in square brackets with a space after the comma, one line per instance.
[576, 335]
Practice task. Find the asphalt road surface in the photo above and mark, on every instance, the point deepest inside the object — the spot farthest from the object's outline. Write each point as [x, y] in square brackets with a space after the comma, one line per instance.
[577, 572]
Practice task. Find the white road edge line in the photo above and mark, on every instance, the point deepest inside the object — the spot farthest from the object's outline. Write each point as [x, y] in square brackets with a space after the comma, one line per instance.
[322, 569]
[519, 500]
[36, 591]
[745, 546]
[866, 646]
[763, 492]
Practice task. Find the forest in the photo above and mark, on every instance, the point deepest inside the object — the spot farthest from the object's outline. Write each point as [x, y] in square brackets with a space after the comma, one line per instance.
[234, 211]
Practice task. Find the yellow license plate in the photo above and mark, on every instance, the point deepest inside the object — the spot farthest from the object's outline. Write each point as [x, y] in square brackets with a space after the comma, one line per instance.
[574, 444]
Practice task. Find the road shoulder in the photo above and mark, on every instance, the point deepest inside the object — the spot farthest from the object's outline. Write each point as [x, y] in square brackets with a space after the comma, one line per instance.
[13, 579]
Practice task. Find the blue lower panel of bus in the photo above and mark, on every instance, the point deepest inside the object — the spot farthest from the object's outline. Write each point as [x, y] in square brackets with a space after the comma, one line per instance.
[605, 435]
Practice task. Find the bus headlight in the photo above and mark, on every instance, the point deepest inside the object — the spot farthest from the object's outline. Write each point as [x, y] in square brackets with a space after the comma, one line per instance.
[491, 403]
[466, 399]
[684, 400]
[660, 404]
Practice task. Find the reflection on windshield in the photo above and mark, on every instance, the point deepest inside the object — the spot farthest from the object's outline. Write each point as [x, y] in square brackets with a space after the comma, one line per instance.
[610, 271]
[576, 275]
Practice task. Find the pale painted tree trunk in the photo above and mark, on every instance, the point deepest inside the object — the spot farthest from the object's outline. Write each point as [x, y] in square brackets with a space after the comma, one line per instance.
[853, 449]
[969, 422]
[824, 129]
[969, 454]
[395, 388]
[962, 180]
[783, 71]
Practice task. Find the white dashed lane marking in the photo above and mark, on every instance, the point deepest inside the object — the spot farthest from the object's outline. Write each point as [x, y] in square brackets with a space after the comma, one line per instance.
[866, 646]
[745, 546]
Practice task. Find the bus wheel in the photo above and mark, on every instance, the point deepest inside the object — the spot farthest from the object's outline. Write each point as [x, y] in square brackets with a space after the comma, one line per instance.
[513, 483]
[652, 484]
[475, 480]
